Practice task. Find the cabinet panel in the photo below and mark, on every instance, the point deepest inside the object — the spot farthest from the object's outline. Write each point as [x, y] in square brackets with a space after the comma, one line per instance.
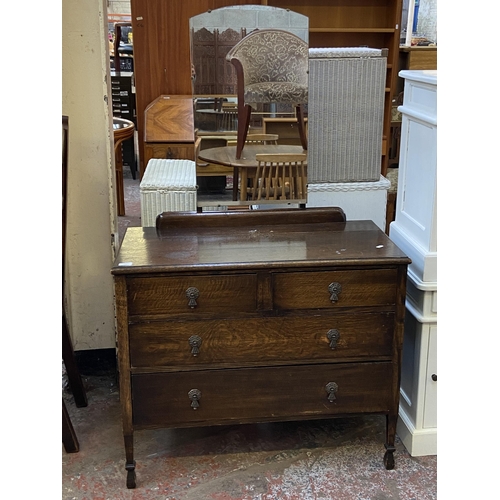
[222, 294]
[309, 290]
[261, 394]
[168, 151]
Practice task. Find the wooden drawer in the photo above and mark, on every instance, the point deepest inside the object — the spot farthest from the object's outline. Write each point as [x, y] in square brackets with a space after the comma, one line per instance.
[223, 294]
[310, 290]
[260, 394]
[254, 341]
[169, 151]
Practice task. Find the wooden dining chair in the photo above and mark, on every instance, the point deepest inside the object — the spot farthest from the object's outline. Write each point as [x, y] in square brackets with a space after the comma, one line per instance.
[278, 177]
[251, 139]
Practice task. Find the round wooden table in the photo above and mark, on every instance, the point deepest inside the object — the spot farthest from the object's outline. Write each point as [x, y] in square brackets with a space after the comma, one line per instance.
[227, 156]
[122, 130]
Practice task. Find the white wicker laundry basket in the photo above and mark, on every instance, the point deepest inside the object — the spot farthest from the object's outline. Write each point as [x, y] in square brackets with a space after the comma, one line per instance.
[346, 113]
[167, 186]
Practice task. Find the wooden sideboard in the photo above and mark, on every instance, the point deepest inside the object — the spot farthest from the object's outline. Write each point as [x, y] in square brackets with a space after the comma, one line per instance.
[169, 129]
[258, 316]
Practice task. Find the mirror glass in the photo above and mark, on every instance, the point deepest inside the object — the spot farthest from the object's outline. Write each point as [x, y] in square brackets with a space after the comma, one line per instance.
[212, 35]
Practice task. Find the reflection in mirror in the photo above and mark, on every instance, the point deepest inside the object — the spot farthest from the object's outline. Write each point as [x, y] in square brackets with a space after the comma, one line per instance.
[212, 35]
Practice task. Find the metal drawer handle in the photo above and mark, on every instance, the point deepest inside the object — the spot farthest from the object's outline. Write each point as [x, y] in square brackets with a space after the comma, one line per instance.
[333, 336]
[195, 396]
[195, 343]
[192, 294]
[331, 389]
[334, 289]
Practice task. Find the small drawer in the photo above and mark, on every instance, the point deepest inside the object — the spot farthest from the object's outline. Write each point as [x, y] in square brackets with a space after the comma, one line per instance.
[334, 289]
[254, 341]
[184, 399]
[208, 295]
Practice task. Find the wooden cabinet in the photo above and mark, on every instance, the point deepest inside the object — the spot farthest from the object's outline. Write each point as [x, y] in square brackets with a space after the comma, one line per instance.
[258, 316]
[169, 129]
[286, 128]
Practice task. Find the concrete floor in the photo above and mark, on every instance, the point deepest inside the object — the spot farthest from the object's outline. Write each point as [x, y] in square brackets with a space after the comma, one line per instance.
[340, 459]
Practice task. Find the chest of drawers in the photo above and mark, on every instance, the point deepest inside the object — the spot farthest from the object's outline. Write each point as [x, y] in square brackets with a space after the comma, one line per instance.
[258, 316]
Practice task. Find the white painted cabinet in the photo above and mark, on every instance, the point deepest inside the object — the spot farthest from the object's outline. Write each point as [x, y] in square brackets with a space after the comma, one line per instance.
[414, 230]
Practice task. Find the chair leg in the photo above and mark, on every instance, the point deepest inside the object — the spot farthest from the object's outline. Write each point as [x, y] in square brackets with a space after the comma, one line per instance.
[69, 439]
[236, 175]
[302, 127]
[244, 113]
[68, 355]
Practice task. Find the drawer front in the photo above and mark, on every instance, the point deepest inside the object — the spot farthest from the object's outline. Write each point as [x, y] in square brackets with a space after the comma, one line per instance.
[252, 341]
[170, 151]
[260, 394]
[311, 290]
[211, 294]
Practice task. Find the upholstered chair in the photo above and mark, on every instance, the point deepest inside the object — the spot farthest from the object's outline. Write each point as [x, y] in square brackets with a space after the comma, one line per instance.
[271, 67]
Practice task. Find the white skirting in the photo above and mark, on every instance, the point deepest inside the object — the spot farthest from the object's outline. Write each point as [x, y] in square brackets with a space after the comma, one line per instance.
[417, 424]
[359, 200]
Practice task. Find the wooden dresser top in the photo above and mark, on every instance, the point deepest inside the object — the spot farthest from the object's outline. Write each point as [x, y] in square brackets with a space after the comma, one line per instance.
[354, 243]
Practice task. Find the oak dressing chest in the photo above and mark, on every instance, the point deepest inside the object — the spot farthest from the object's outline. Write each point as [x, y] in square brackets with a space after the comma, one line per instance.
[258, 316]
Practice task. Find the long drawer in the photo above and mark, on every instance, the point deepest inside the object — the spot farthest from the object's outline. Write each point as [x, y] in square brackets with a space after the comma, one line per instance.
[252, 341]
[212, 294]
[183, 399]
[324, 290]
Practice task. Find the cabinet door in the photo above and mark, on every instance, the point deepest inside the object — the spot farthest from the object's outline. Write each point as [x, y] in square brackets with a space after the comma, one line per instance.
[430, 408]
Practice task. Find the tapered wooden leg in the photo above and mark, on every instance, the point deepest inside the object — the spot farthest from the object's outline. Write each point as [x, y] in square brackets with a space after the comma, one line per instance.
[69, 438]
[75, 380]
[391, 421]
[244, 113]
[236, 175]
[130, 462]
[302, 126]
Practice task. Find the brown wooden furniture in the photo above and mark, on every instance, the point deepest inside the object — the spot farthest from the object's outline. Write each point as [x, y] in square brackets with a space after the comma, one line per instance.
[227, 156]
[69, 438]
[258, 316]
[286, 128]
[169, 129]
[122, 131]
[277, 178]
[255, 139]
[418, 57]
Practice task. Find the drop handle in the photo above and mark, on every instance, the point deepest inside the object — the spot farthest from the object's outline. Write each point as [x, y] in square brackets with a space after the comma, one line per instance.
[434, 377]
[195, 396]
[331, 389]
[195, 343]
[333, 336]
[192, 293]
[334, 289]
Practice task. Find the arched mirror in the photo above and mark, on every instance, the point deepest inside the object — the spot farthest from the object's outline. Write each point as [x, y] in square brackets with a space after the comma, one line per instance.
[212, 35]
